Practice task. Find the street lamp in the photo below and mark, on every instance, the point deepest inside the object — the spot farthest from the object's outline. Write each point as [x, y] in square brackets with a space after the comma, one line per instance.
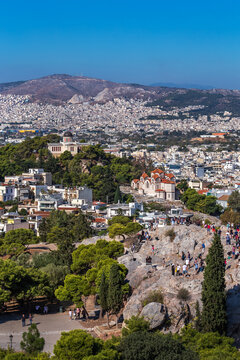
[11, 340]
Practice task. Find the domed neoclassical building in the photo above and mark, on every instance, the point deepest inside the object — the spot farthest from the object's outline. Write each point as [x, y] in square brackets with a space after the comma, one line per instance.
[66, 145]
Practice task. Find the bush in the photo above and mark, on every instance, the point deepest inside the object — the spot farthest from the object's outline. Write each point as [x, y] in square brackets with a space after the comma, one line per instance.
[183, 294]
[197, 220]
[171, 233]
[207, 222]
[154, 296]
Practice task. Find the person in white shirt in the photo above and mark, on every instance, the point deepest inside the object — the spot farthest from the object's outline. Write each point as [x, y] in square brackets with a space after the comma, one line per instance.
[184, 269]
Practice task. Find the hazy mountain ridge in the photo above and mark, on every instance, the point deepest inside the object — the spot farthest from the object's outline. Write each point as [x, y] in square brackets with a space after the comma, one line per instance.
[62, 88]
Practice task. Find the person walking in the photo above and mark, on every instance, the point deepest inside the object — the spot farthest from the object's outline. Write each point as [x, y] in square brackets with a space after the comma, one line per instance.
[30, 319]
[70, 314]
[173, 269]
[203, 248]
[23, 320]
[184, 270]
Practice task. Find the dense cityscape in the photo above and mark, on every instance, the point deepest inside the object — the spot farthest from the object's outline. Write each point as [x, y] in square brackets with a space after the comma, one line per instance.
[119, 180]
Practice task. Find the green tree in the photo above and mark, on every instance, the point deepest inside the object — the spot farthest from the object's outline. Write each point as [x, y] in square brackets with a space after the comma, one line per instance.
[103, 294]
[115, 294]
[135, 324]
[119, 219]
[117, 195]
[197, 322]
[154, 346]
[116, 230]
[208, 345]
[182, 185]
[76, 345]
[32, 342]
[234, 201]
[213, 290]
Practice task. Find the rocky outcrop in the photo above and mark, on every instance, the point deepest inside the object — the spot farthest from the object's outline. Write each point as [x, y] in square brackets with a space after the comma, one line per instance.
[155, 313]
[144, 279]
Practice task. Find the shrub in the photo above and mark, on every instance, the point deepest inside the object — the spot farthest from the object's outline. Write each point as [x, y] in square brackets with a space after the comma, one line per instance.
[171, 233]
[154, 296]
[197, 220]
[183, 294]
[207, 222]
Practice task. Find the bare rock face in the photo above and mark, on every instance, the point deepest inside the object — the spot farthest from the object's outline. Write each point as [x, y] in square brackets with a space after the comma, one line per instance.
[155, 314]
[76, 99]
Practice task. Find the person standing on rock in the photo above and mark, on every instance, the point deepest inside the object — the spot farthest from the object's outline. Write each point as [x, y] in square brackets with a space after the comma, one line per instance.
[184, 270]
[173, 269]
[203, 248]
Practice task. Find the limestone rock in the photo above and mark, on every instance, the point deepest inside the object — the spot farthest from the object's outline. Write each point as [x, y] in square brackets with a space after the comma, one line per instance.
[76, 99]
[155, 314]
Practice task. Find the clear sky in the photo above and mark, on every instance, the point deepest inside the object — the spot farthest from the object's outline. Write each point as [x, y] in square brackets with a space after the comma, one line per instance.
[179, 41]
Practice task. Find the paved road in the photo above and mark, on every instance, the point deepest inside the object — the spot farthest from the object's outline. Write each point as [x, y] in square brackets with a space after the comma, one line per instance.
[50, 326]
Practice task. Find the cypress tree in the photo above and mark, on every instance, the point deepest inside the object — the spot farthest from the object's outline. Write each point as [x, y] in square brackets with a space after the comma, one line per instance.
[117, 195]
[115, 295]
[103, 293]
[198, 325]
[214, 317]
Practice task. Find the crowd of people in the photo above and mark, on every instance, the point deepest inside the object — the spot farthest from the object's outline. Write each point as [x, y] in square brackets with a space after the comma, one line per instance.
[77, 314]
[188, 263]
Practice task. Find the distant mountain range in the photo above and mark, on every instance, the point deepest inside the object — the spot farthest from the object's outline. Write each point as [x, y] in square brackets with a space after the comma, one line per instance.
[61, 89]
[184, 86]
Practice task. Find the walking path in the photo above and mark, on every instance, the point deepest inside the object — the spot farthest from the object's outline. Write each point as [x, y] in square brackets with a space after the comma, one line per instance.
[50, 326]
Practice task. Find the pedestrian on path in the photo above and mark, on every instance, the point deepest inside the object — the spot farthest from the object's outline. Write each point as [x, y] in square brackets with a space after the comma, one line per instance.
[30, 319]
[70, 314]
[23, 320]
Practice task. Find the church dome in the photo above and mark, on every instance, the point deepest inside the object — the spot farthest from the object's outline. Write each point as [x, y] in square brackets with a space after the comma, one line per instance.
[68, 134]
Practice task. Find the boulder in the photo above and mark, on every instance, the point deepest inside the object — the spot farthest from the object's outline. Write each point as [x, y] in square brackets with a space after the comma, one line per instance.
[155, 314]
[132, 308]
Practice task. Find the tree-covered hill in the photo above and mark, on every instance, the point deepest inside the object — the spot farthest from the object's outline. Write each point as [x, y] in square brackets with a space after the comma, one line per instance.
[92, 166]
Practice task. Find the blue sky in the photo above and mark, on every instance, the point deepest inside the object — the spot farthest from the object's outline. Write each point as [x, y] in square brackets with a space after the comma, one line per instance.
[178, 41]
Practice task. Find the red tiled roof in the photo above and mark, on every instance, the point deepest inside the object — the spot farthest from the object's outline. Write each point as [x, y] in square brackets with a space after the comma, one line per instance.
[42, 213]
[135, 180]
[165, 181]
[159, 171]
[155, 176]
[144, 175]
[219, 134]
[160, 190]
[98, 203]
[203, 191]
[224, 198]
[99, 220]
[170, 175]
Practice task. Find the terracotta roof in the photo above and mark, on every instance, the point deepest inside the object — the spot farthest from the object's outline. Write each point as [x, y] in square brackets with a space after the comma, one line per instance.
[165, 181]
[155, 176]
[135, 180]
[203, 191]
[160, 190]
[98, 203]
[42, 213]
[219, 134]
[169, 175]
[99, 220]
[224, 198]
[159, 171]
[144, 175]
